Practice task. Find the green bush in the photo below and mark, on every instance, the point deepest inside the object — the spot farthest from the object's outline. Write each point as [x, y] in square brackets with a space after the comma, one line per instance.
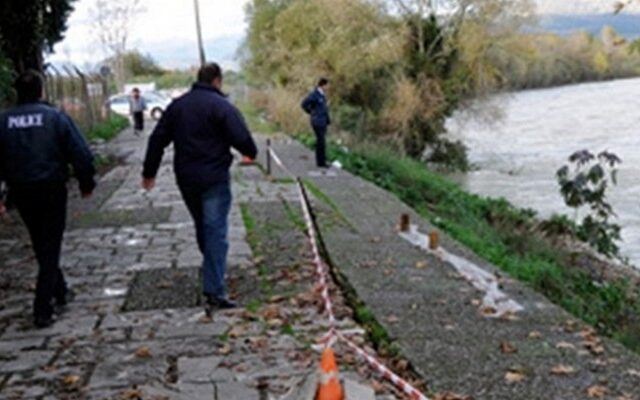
[107, 130]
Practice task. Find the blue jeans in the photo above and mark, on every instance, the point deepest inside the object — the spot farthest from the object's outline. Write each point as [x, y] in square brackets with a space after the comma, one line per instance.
[210, 208]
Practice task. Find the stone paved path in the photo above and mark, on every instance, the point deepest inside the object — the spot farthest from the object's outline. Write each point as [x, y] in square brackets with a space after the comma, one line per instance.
[436, 316]
[136, 329]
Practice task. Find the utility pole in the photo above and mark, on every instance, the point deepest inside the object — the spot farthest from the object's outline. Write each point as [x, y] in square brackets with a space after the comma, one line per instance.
[199, 29]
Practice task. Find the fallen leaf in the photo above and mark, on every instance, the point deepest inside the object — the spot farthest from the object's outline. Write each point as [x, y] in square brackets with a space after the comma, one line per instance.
[488, 311]
[392, 319]
[597, 391]
[514, 376]
[570, 326]
[271, 312]
[131, 394]
[236, 331]
[377, 386]
[277, 299]
[71, 381]
[164, 285]
[224, 350]
[421, 265]
[594, 348]
[402, 366]
[143, 352]
[275, 323]
[562, 370]
[565, 346]
[509, 316]
[535, 335]
[507, 348]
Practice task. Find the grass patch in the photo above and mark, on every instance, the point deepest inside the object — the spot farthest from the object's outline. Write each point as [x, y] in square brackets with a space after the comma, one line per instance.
[254, 306]
[320, 195]
[295, 217]
[109, 129]
[257, 120]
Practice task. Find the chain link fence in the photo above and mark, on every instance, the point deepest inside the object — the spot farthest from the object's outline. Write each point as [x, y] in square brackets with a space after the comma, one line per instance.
[81, 95]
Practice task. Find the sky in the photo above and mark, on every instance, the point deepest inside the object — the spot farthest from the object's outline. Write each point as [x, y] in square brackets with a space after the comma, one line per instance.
[167, 32]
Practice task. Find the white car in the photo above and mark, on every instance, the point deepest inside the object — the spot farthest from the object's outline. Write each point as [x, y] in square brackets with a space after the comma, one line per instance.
[156, 104]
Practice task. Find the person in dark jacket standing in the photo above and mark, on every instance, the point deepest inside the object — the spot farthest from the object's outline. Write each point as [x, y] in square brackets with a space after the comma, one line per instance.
[316, 105]
[203, 127]
[137, 107]
[37, 144]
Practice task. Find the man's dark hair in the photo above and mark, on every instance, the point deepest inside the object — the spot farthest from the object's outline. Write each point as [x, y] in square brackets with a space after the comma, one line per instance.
[209, 72]
[29, 86]
[323, 82]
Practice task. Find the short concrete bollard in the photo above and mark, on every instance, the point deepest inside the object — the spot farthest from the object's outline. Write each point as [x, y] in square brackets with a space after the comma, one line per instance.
[434, 240]
[405, 223]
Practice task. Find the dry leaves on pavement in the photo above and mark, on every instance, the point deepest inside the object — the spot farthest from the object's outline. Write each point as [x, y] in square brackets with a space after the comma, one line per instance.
[508, 348]
[562, 370]
[143, 352]
[597, 391]
[514, 377]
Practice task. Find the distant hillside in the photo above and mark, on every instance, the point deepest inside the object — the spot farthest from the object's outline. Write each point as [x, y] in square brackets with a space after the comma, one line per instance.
[628, 25]
[582, 7]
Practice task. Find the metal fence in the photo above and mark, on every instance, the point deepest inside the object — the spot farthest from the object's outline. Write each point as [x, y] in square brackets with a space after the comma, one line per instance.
[83, 96]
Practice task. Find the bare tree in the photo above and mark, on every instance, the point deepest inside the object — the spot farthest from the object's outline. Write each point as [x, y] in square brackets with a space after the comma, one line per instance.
[113, 24]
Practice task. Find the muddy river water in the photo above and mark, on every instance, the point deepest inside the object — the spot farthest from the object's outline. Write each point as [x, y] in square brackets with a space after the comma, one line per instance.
[517, 158]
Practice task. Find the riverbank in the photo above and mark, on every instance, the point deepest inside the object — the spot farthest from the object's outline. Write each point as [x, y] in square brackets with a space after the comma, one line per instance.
[511, 238]
[426, 305]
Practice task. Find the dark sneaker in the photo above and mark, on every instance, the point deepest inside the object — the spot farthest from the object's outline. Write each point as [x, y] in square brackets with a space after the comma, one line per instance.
[60, 305]
[220, 303]
[42, 322]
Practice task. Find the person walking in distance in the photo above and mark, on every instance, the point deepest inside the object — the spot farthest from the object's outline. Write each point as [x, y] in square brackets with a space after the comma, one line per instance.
[203, 127]
[316, 105]
[137, 107]
[37, 144]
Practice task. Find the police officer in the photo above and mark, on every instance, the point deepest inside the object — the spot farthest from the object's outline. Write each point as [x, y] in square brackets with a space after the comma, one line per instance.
[316, 105]
[37, 144]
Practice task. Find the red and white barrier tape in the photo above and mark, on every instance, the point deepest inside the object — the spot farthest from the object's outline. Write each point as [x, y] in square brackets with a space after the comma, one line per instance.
[321, 268]
[386, 372]
[323, 275]
[278, 161]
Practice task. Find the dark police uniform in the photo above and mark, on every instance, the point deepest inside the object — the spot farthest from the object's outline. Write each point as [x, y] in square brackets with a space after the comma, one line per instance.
[37, 144]
[315, 104]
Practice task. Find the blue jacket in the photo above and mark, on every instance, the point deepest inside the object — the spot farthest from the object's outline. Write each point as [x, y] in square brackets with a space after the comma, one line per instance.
[315, 104]
[37, 144]
[203, 127]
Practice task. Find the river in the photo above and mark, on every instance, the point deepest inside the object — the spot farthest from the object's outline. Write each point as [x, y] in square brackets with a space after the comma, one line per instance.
[517, 158]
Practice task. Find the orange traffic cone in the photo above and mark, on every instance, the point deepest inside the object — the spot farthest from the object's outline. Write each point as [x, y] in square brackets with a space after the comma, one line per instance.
[329, 387]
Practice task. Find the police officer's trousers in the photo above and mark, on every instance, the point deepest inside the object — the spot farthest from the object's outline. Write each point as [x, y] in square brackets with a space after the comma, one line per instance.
[43, 209]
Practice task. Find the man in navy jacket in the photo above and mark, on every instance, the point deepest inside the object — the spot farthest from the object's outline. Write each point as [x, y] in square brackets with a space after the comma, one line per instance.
[315, 104]
[203, 127]
[37, 144]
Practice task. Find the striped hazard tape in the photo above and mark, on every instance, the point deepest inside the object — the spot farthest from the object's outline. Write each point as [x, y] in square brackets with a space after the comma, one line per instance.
[322, 270]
